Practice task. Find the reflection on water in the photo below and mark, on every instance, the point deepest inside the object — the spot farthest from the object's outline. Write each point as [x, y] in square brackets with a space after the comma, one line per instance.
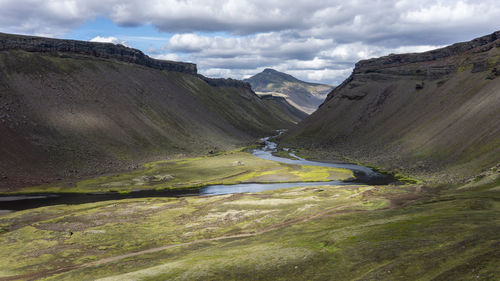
[256, 187]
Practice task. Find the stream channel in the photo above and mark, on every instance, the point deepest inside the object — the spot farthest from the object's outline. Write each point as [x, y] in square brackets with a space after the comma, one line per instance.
[363, 175]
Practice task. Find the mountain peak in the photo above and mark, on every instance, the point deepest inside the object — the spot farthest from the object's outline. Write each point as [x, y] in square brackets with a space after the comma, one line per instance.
[270, 75]
[303, 95]
[270, 70]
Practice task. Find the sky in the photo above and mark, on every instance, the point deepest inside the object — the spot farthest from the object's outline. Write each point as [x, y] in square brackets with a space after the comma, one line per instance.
[317, 41]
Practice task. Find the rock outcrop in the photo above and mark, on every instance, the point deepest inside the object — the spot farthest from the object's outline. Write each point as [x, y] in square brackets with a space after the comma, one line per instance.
[478, 45]
[226, 82]
[431, 65]
[95, 49]
[118, 52]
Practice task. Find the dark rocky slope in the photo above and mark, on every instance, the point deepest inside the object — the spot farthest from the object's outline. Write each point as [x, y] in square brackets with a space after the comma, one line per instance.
[284, 105]
[433, 113]
[70, 109]
[303, 95]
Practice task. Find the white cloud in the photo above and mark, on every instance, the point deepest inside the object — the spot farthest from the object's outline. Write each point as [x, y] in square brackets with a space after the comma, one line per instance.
[262, 44]
[352, 20]
[170, 56]
[314, 39]
[48, 18]
[324, 74]
[453, 12]
[309, 58]
[109, 39]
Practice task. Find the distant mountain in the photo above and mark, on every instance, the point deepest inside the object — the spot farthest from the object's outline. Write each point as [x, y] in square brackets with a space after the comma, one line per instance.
[433, 113]
[74, 108]
[303, 95]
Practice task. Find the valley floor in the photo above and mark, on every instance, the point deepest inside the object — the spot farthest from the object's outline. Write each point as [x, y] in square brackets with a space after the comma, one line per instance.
[357, 232]
[190, 173]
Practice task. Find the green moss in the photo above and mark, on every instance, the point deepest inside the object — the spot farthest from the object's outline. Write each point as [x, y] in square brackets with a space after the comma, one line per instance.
[493, 61]
[306, 233]
[223, 168]
[421, 241]
[284, 154]
[36, 63]
[346, 232]
[407, 179]
[465, 67]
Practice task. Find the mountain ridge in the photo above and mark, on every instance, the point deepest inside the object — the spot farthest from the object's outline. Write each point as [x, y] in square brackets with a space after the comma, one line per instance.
[62, 47]
[433, 114]
[66, 115]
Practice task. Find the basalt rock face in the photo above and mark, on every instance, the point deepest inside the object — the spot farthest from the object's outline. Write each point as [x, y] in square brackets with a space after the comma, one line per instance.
[226, 82]
[478, 45]
[96, 49]
[435, 113]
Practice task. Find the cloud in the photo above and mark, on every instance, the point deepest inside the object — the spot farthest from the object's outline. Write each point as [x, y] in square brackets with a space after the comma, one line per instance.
[47, 18]
[110, 39]
[263, 44]
[310, 58]
[314, 39]
[359, 20]
[170, 56]
[237, 17]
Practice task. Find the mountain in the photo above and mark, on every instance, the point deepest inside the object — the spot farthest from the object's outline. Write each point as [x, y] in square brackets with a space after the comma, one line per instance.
[73, 108]
[303, 95]
[435, 114]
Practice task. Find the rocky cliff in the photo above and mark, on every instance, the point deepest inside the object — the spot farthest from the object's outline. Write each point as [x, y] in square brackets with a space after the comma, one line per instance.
[226, 82]
[478, 45]
[62, 48]
[95, 49]
[435, 113]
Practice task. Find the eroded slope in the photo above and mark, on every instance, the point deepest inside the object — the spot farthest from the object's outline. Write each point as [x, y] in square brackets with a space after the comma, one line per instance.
[66, 114]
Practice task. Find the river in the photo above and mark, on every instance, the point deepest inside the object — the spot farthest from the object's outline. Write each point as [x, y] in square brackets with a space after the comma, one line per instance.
[364, 175]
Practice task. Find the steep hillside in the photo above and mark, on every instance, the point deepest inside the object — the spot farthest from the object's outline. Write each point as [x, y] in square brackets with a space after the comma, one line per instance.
[303, 95]
[433, 113]
[283, 105]
[72, 108]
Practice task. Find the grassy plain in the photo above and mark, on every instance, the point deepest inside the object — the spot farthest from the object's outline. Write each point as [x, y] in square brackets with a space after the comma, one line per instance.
[410, 232]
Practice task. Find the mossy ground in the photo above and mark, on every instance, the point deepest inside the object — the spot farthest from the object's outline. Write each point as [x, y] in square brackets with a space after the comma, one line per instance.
[284, 154]
[332, 156]
[222, 168]
[310, 233]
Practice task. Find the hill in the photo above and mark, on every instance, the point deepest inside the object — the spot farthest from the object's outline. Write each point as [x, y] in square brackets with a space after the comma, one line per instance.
[432, 114]
[303, 95]
[73, 108]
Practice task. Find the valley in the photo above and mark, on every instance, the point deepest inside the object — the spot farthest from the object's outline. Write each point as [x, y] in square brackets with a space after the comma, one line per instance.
[315, 232]
[117, 166]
